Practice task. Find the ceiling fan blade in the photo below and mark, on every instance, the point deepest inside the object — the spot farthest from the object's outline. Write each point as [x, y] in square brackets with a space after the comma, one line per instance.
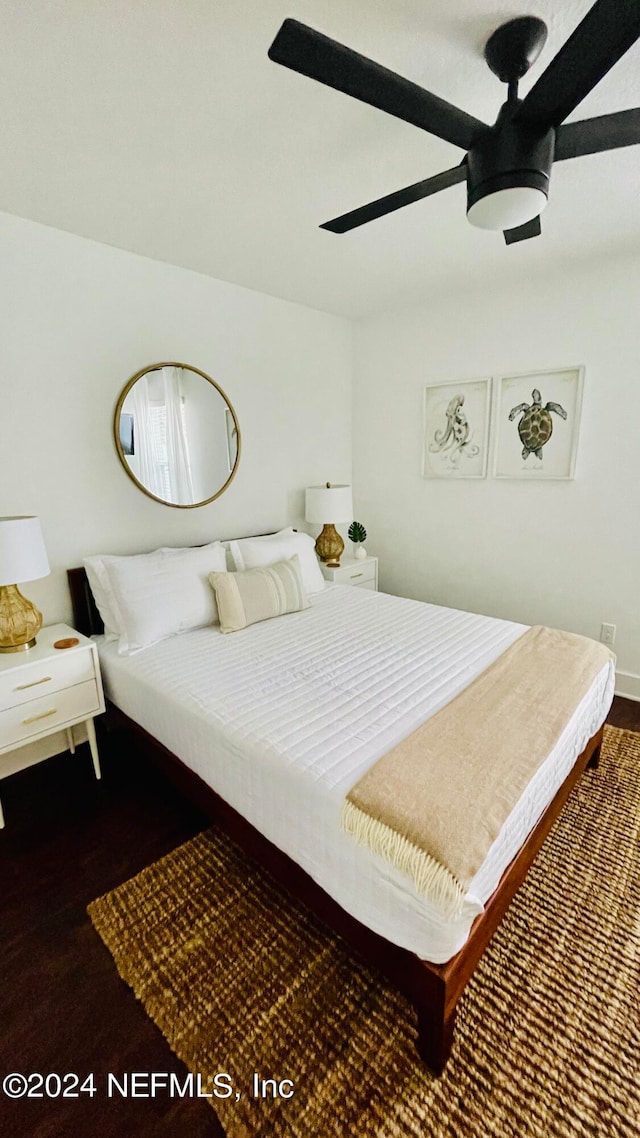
[397, 200]
[589, 136]
[607, 31]
[523, 232]
[315, 55]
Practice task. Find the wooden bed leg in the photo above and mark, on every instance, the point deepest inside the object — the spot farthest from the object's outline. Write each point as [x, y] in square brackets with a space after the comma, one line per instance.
[594, 761]
[435, 1029]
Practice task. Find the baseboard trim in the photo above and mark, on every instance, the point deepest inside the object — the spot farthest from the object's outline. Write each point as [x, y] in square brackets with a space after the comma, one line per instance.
[628, 685]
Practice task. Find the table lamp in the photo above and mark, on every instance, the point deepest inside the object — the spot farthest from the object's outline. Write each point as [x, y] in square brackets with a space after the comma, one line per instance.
[326, 505]
[23, 557]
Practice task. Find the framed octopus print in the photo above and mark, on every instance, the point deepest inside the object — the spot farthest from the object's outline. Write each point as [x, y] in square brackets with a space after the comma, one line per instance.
[456, 429]
[537, 416]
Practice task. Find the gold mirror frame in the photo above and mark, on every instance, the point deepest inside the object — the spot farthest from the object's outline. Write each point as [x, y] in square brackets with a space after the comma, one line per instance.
[121, 455]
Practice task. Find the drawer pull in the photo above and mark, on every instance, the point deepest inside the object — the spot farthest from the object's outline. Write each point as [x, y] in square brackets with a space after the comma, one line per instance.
[42, 715]
[354, 575]
[33, 684]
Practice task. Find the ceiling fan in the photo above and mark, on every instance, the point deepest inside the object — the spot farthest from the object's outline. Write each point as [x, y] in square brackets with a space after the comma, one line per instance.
[507, 165]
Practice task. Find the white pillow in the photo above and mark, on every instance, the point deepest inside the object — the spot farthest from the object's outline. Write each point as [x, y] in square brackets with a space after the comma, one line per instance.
[101, 588]
[151, 596]
[254, 552]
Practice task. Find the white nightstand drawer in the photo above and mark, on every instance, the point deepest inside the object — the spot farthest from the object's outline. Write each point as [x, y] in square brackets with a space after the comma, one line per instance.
[359, 571]
[357, 574]
[48, 712]
[23, 684]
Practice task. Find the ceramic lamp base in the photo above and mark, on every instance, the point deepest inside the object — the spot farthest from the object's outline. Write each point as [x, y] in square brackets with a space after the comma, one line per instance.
[20, 620]
[330, 546]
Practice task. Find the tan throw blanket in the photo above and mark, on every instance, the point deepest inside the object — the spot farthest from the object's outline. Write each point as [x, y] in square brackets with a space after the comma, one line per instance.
[435, 804]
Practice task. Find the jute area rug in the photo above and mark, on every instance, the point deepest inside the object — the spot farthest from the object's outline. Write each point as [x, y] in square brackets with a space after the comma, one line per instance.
[241, 979]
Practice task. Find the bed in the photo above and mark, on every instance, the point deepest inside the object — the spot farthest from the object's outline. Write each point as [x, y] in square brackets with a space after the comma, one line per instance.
[268, 729]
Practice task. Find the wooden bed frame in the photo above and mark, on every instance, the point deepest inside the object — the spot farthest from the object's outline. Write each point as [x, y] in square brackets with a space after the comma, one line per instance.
[433, 989]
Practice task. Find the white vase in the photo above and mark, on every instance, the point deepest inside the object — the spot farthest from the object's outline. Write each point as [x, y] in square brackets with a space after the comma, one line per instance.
[359, 552]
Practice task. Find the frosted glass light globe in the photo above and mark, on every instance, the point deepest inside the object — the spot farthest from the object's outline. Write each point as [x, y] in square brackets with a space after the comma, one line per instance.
[507, 209]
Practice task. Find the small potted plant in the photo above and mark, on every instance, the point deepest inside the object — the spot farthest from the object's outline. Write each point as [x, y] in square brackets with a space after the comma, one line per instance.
[358, 534]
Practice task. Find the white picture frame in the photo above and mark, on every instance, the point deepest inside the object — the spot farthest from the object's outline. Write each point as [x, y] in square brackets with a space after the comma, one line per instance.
[456, 429]
[537, 407]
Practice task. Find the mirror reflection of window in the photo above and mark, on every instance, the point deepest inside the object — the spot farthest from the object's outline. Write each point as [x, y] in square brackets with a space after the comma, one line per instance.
[162, 460]
[232, 439]
[186, 445]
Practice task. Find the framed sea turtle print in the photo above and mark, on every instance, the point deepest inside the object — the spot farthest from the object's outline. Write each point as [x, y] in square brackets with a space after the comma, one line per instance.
[536, 421]
[456, 429]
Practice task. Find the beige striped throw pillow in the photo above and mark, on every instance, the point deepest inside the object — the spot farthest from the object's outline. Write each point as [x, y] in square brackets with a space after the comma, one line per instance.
[252, 595]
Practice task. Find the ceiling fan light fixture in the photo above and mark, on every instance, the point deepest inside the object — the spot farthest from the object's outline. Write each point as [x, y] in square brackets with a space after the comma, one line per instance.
[508, 173]
[507, 208]
[507, 165]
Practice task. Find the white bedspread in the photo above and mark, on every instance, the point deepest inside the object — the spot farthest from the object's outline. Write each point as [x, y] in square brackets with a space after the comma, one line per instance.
[282, 718]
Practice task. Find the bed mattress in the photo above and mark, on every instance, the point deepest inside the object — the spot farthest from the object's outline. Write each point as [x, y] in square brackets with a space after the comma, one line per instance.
[283, 718]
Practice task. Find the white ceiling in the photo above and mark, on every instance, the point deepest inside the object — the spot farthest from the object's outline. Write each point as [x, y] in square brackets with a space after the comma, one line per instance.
[163, 128]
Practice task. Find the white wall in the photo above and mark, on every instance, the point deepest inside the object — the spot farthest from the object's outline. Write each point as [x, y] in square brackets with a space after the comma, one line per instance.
[557, 553]
[78, 319]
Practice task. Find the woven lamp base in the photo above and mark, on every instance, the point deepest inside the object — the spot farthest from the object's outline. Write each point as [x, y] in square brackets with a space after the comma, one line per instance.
[20, 620]
[330, 546]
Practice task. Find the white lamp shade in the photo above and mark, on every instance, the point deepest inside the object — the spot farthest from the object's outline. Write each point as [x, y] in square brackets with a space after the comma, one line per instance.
[328, 504]
[508, 208]
[23, 556]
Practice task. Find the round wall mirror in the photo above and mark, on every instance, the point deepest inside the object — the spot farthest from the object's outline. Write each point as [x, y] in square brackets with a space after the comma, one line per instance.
[177, 434]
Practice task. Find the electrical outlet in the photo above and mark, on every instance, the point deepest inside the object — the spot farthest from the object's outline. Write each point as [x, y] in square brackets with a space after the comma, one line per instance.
[608, 633]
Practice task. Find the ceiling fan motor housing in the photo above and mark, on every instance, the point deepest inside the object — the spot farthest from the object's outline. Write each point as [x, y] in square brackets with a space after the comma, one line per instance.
[511, 154]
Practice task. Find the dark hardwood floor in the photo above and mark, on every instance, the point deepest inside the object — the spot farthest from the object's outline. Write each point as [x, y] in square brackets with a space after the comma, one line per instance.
[625, 713]
[63, 1007]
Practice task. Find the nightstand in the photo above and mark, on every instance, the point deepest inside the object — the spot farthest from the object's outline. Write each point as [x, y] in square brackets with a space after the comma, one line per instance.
[363, 572]
[46, 690]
